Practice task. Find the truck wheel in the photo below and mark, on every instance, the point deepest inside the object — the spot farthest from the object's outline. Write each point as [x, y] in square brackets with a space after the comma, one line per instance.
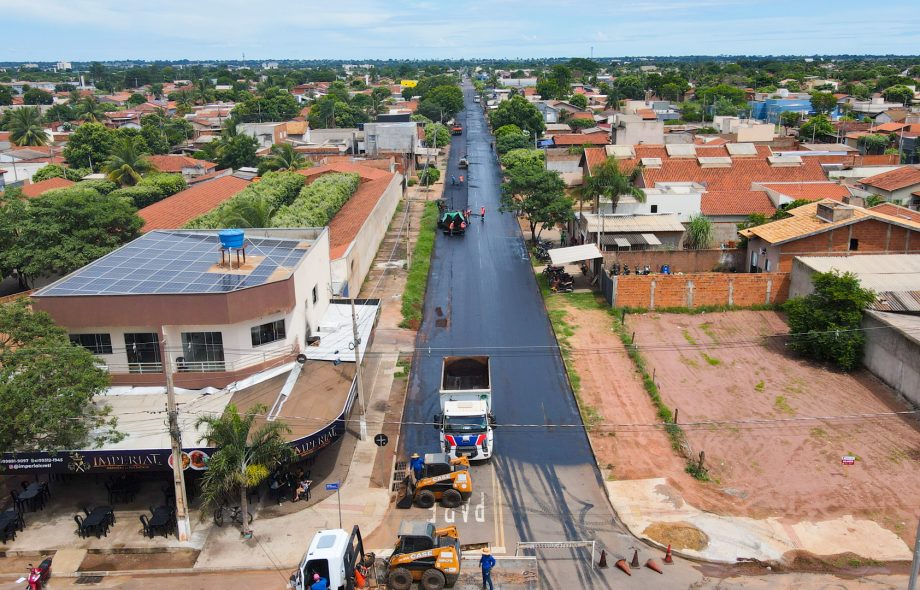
[399, 579]
[432, 580]
[451, 499]
[425, 499]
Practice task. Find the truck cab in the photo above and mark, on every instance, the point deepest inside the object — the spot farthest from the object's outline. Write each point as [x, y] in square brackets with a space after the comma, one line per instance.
[466, 423]
[333, 554]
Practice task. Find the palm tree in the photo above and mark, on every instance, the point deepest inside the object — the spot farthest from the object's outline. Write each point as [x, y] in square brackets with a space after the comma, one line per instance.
[285, 157]
[128, 161]
[25, 127]
[698, 235]
[256, 212]
[90, 110]
[606, 179]
[243, 459]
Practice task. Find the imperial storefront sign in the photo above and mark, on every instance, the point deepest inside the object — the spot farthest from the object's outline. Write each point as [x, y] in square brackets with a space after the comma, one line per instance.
[195, 458]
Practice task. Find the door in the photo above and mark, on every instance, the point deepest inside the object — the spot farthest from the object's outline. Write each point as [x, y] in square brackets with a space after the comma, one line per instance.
[143, 350]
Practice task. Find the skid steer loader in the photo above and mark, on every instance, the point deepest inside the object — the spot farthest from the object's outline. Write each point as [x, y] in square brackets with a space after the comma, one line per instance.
[425, 555]
[446, 480]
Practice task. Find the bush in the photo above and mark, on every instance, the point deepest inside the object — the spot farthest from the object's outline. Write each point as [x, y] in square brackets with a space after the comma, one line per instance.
[278, 188]
[55, 171]
[169, 184]
[508, 130]
[508, 142]
[104, 187]
[412, 181]
[141, 195]
[825, 325]
[318, 202]
[429, 176]
[523, 157]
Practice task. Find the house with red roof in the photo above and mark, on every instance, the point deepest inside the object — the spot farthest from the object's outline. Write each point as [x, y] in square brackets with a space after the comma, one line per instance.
[179, 209]
[897, 186]
[190, 168]
[32, 190]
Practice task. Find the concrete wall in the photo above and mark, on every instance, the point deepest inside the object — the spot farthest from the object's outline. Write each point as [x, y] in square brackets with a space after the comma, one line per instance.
[636, 132]
[699, 289]
[891, 354]
[680, 260]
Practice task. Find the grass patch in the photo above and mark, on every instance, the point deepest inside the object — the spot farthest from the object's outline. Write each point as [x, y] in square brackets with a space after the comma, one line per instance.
[711, 360]
[782, 405]
[760, 386]
[697, 472]
[403, 366]
[689, 362]
[819, 433]
[689, 338]
[707, 329]
[417, 282]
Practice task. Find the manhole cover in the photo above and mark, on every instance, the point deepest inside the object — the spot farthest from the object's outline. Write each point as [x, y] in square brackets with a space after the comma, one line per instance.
[89, 579]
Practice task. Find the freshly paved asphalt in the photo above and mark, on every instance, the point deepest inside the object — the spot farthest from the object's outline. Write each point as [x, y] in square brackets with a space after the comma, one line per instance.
[543, 483]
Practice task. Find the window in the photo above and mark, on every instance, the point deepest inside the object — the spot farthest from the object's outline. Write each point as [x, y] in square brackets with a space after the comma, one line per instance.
[95, 343]
[854, 244]
[654, 208]
[202, 351]
[315, 295]
[143, 350]
[766, 265]
[270, 332]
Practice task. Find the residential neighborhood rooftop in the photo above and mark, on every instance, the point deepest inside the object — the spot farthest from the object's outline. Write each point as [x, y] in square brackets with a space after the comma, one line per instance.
[175, 211]
[43, 186]
[176, 163]
[903, 177]
[171, 262]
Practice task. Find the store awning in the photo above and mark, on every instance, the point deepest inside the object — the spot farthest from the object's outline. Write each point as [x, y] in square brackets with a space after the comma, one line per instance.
[621, 242]
[574, 254]
[651, 239]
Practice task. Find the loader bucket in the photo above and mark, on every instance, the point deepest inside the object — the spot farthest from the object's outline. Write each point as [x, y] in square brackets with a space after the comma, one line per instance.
[406, 494]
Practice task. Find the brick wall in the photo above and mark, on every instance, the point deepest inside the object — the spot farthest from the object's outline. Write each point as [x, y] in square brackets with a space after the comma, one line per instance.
[874, 237]
[700, 289]
[680, 260]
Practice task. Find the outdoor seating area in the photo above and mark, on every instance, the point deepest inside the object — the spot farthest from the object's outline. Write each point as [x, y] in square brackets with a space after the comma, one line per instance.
[33, 496]
[162, 521]
[96, 523]
[11, 521]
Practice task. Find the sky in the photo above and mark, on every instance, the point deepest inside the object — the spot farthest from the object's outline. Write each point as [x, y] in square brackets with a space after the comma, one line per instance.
[82, 30]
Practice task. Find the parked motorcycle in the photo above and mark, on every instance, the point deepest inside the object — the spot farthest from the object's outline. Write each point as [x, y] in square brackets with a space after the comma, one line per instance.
[38, 576]
[625, 269]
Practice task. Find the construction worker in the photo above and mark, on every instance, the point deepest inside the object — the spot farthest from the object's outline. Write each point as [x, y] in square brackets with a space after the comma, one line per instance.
[482, 212]
[320, 583]
[461, 179]
[487, 562]
[417, 464]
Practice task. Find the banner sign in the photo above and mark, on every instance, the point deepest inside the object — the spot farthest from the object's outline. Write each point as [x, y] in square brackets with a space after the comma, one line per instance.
[196, 459]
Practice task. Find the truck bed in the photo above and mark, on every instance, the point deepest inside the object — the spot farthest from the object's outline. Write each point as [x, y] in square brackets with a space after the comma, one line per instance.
[465, 373]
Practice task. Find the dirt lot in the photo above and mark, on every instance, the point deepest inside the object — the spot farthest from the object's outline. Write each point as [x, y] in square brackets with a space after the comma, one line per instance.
[716, 367]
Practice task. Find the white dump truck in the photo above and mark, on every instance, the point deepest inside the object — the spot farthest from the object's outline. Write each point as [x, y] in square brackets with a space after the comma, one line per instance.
[466, 422]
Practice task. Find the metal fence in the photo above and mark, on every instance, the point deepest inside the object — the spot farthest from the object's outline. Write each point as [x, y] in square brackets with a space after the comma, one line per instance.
[608, 287]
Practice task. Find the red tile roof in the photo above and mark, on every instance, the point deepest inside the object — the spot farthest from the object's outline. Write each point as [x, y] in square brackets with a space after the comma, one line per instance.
[34, 190]
[595, 156]
[581, 139]
[646, 114]
[891, 127]
[587, 116]
[365, 172]
[175, 211]
[813, 191]
[165, 163]
[903, 177]
[897, 211]
[742, 173]
[736, 202]
[344, 227]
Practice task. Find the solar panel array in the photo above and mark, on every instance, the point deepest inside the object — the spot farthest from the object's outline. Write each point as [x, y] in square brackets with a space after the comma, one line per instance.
[169, 262]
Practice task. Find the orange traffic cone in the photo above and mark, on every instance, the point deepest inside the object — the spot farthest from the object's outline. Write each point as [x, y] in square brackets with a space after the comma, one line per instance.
[667, 556]
[602, 564]
[621, 563]
[654, 566]
[635, 559]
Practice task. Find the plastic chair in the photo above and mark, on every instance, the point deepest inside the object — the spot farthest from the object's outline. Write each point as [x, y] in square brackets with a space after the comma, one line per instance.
[145, 522]
[80, 530]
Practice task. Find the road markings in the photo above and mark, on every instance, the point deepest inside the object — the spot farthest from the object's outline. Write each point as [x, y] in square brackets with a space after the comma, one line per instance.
[497, 510]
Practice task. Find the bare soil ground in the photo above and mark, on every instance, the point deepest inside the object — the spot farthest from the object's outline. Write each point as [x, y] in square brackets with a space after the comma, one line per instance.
[778, 449]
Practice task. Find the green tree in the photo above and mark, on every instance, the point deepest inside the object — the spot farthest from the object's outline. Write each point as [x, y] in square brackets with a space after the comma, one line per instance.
[136, 99]
[507, 142]
[548, 89]
[711, 94]
[753, 220]
[378, 96]
[89, 109]
[275, 104]
[579, 100]
[238, 152]
[449, 100]
[823, 102]
[253, 211]
[429, 176]
[89, 146]
[538, 195]
[691, 111]
[244, 458]
[127, 162]
[436, 134]
[63, 230]
[824, 326]
[789, 118]
[609, 181]
[699, 233]
[6, 96]
[510, 129]
[37, 96]
[285, 157]
[817, 128]
[328, 113]
[874, 143]
[518, 111]
[523, 157]
[55, 171]
[47, 386]
[25, 127]
[899, 93]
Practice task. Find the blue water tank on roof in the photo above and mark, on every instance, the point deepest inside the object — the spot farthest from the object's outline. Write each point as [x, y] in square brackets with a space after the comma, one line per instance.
[231, 238]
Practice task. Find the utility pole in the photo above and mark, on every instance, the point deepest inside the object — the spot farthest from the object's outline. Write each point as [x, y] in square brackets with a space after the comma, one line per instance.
[915, 566]
[183, 524]
[357, 345]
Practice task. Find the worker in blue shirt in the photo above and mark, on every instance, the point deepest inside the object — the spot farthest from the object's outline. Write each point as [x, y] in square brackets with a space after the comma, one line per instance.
[487, 562]
[417, 464]
[319, 583]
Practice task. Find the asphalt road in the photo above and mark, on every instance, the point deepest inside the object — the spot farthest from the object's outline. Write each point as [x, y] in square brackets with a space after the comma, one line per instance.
[542, 484]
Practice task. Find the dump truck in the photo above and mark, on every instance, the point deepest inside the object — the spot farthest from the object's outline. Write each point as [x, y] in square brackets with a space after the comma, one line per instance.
[466, 421]
[444, 479]
[423, 554]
